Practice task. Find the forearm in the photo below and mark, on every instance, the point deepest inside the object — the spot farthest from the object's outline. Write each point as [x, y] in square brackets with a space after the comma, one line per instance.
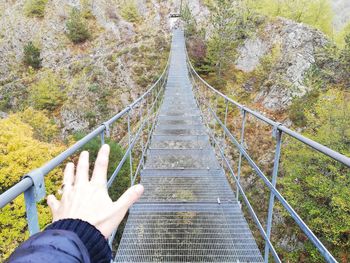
[67, 241]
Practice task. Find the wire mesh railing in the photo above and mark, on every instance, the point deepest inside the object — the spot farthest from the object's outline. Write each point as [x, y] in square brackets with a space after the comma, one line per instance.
[133, 126]
[208, 100]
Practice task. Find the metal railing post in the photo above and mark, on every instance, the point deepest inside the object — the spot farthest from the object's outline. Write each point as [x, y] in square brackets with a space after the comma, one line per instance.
[31, 211]
[278, 135]
[129, 143]
[240, 153]
[148, 122]
[32, 195]
[224, 133]
[102, 136]
[142, 143]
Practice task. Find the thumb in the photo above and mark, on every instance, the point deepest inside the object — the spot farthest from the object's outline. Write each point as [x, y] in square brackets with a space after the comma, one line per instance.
[131, 195]
[53, 204]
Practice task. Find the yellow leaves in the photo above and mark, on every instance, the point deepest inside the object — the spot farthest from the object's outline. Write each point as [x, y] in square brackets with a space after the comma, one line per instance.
[44, 129]
[20, 152]
[47, 93]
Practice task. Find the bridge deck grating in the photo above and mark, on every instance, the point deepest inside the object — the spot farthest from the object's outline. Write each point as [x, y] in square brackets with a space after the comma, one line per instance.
[188, 212]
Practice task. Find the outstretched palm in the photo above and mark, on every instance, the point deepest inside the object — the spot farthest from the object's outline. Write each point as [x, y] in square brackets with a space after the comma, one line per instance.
[87, 198]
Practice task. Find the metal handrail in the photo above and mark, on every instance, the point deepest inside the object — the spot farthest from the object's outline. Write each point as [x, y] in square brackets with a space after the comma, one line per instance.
[278, 129]
[33, 185]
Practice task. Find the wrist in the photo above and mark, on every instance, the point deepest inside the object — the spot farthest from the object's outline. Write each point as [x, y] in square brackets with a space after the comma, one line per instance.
[91, 237]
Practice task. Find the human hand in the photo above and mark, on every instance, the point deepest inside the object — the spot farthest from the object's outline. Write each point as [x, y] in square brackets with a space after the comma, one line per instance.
[88, 200]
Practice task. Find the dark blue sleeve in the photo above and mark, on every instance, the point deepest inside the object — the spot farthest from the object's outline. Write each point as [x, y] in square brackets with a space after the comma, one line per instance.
[67, 240]
[53, 246]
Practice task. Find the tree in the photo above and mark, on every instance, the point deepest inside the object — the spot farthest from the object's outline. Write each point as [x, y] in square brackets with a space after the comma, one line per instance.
[32, 56]
[78, 31]
[190, 22]
[221, 44]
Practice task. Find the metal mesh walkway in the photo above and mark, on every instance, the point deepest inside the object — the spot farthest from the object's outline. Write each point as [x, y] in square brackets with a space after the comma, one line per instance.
[188, 212]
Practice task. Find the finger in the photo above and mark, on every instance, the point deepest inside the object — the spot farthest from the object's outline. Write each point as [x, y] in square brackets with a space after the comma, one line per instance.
[101, 166]
[131, 195]
[68, 178]
[82, 173]
[53, 203]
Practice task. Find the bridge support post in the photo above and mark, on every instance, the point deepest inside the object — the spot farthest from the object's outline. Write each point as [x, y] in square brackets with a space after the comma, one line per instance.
[31, 211]
[31, 196]
[224, 133]
[102, 136]
[278, 135]
[141, 123]
[129, 143]
[148, 122]
[244, 113]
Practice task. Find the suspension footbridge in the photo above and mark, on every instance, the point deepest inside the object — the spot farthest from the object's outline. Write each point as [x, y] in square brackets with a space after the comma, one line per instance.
[190, 212]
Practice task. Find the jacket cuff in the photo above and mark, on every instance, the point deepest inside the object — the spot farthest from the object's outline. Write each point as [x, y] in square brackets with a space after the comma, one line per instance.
[94, 241]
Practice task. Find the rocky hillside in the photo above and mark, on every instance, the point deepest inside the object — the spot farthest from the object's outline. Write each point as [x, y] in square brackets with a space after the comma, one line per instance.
[127, 49]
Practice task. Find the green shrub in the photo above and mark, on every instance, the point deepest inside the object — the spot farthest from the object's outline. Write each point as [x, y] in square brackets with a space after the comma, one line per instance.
[129, 12]
[47, 93]
[122, 182]
[78, 30]
[300, 105]
[35, 8]
[32, 56]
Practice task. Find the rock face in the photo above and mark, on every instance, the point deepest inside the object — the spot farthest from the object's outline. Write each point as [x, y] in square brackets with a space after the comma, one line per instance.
[250, 54]
[297, 44]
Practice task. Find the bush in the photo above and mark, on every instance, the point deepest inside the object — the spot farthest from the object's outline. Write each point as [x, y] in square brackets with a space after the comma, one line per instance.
[32, 56]
[35, 8]
[129, 12]
[122, 182]
[47, 94]
[78, 31]
[44, 128]
[300, 105]
[21, 152]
